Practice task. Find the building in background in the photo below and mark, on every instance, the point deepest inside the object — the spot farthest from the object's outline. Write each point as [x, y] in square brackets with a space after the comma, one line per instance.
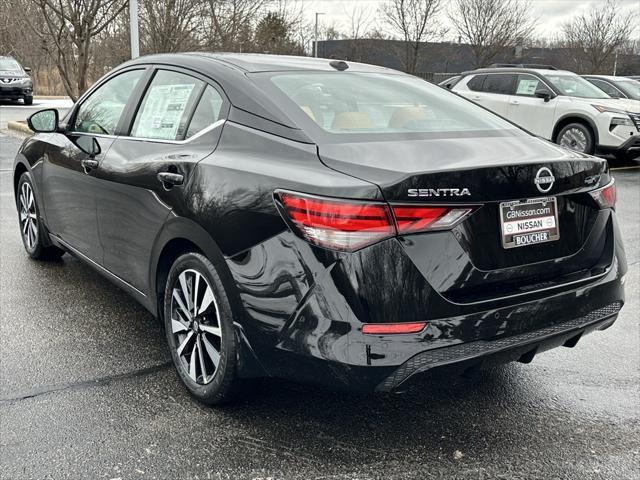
[438, 58]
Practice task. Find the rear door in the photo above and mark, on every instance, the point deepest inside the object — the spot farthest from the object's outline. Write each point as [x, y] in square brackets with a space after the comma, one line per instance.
[529, 111]
[177, 123]
[491, 91]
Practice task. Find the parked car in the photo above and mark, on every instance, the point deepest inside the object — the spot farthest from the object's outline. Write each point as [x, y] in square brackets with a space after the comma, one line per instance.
[616, 87]
[557, 105]
[15, 82]
[321, 220]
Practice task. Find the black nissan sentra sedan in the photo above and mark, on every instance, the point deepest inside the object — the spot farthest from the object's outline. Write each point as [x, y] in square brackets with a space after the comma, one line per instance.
[322, 220]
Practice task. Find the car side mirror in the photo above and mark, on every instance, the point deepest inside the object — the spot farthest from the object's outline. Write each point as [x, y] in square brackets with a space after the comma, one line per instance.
[44, 121]
[27, 69]
[544, 93]
[88, 145]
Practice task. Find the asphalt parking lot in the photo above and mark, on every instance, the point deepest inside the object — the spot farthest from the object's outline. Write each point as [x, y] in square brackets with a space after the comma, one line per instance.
[18, 111]
[87, 391]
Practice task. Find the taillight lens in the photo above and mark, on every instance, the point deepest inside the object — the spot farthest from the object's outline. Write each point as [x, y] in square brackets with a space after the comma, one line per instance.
[350, 225]
[412, 219]
[605, 197]
[346, 225]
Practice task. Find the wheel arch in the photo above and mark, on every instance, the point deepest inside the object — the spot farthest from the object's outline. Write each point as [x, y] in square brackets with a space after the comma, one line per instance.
[181, 235]
[576, 118]
[18, 170]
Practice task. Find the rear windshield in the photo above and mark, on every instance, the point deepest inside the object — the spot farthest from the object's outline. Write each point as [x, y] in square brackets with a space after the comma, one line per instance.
[349, 102]
[575, 86]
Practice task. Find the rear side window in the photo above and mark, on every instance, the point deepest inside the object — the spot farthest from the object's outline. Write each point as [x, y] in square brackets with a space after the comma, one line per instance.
[476, 82]
[207, 112]
[101, 111]
[166, 106]
[501, 83]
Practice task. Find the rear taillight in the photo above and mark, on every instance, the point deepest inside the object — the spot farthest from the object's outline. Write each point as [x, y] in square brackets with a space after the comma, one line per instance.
[605, 197]
[346, 225]
[350, 225]
[412, 219]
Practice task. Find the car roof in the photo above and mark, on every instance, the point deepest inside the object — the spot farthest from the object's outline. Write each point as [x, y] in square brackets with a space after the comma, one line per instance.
[260, 62]
[232, 71]
[604, 77]
[541, 71]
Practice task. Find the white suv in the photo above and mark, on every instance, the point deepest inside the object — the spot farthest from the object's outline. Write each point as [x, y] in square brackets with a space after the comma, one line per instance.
[557, 105]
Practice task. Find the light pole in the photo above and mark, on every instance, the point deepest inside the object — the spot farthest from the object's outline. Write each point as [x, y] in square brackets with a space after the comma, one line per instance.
[315, 36]
[133, 28]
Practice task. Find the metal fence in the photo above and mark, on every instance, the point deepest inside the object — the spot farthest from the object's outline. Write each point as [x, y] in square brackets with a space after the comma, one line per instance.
[435, 77]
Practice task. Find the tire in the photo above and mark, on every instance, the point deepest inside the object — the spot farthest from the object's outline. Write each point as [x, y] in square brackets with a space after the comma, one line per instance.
[576, 136]
[28, 100]
[32, 231]
[200, 333]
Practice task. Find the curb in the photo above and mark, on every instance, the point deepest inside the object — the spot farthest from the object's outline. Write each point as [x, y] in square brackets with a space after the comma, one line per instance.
[51, 97]
[19, 127]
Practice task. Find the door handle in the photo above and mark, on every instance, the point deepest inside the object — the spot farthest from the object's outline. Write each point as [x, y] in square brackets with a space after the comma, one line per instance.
[170, 179]
[515, 102]
[89, 164]
[476, 98]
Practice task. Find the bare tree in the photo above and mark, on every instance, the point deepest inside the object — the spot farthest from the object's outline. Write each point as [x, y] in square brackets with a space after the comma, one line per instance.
[360, 20]
[170, 25]
[415, 21]
[491, 26]
[232, 23]
[599, 33]
[66, 33]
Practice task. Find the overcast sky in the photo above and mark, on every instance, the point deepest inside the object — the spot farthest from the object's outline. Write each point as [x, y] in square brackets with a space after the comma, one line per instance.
[552, 13]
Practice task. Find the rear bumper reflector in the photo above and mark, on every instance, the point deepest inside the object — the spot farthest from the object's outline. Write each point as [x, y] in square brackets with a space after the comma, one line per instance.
[392, 328]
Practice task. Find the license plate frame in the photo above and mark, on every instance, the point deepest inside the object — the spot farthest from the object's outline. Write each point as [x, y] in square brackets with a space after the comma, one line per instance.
[521, 230]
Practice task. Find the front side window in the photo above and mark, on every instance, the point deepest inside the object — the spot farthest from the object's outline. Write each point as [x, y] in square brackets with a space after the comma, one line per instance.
[605, 87]
[501, 83]
[101, 112]
[527, 85]
[344, 102]
[575, 86]
[167, 103]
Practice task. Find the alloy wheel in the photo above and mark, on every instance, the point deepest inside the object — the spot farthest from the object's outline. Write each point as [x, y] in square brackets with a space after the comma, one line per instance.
[28, 216]
[575, 139]
[196, 326]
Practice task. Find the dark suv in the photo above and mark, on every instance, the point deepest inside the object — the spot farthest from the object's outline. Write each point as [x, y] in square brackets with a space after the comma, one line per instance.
[15, 82]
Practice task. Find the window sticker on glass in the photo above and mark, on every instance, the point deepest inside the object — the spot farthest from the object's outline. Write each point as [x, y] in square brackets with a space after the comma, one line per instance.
[527, 86]
[163, 110]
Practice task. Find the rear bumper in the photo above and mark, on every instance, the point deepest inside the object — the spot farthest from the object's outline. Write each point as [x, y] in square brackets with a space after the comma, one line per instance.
[304, 307]
[522, 347]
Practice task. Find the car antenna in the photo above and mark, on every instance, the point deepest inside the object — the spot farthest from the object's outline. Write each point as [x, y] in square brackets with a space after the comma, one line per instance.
[339, 65]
